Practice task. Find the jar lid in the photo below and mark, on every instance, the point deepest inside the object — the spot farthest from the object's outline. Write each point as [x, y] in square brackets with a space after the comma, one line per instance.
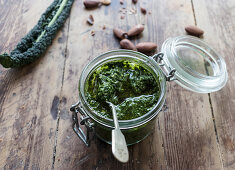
[198, 67]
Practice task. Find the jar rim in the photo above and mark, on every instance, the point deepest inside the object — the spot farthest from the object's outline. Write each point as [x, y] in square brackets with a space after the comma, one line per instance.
[124, 54]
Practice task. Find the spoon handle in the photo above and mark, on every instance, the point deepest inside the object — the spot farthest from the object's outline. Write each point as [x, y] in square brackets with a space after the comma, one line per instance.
[115, 119]
[119, 146]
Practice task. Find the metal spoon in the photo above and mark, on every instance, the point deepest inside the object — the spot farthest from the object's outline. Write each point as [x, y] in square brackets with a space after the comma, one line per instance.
[119, 146]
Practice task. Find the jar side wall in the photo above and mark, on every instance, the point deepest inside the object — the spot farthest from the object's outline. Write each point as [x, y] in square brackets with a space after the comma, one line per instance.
[132, 135]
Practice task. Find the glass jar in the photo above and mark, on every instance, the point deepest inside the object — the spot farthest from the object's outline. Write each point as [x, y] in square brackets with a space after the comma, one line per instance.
[186, 60]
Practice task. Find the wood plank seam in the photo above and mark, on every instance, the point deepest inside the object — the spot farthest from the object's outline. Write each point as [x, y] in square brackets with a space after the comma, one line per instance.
[163, 144]
[214, 123]
[201, 150]
[210, 102]
[194, 16]
[216, 133]
[60, 97]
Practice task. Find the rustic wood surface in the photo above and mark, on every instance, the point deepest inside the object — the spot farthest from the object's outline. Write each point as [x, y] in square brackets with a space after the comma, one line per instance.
[195, 131]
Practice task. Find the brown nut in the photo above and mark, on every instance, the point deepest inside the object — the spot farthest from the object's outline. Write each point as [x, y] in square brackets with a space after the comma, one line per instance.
[90, 20]
[193, 30]
[143, 10]
[91, 3]
[134, 1]
[119, 33]
[135, 30]
[105, 2]
[127, 44]
[92, 33]
[146, 47]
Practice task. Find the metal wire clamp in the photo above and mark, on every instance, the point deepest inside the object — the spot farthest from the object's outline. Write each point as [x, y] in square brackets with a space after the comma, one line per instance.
[75, 109]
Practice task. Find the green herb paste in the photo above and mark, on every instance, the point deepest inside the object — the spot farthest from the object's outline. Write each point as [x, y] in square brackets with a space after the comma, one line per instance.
[128, 85]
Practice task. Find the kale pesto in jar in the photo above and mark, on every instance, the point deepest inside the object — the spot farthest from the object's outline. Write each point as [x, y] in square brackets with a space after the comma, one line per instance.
[128, 85]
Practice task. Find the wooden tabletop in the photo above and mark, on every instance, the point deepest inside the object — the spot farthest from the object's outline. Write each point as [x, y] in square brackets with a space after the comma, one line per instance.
[195, 131]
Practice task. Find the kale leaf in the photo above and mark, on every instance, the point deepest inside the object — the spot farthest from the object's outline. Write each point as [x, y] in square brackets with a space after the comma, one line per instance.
[35, 43]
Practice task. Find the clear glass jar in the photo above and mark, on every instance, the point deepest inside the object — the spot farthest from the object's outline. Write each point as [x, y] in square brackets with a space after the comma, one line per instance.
[135, 129]
[187, 60]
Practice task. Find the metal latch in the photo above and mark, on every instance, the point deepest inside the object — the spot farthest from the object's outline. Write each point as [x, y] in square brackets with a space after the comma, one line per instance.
[169, 72]
[75, 109]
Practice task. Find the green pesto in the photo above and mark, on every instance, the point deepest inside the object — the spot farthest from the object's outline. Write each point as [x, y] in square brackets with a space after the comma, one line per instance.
[128, 85]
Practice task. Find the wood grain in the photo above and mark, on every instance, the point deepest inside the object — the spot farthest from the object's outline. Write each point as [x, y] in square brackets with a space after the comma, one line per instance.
[194, 131]
[28, 96]
[217, 18]
[82, 48]
[187, 126]
[184, 137]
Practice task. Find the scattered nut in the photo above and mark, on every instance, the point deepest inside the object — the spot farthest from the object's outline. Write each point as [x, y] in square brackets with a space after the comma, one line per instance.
[91, 3]
[193, 30]
[127, 44]
[135, 30]
[119, 33]
[134, 1]
[143, 10]
[105, 2]
[104, 27]
[132, 11]
[90, 20]
[122, 10]
[121, 2]
[146, 47]
[92, 33]
[122, 17]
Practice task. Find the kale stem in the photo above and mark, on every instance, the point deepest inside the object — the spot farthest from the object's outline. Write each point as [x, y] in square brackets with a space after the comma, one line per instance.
[62, 5]
[5, 60]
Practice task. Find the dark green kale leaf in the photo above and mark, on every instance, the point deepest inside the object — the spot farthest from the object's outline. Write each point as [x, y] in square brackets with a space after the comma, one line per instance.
[35, 43]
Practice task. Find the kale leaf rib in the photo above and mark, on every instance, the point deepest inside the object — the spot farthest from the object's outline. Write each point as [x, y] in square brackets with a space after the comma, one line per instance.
[35, 43]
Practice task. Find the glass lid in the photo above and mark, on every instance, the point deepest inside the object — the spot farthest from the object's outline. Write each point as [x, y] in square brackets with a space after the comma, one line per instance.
[198, 67]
